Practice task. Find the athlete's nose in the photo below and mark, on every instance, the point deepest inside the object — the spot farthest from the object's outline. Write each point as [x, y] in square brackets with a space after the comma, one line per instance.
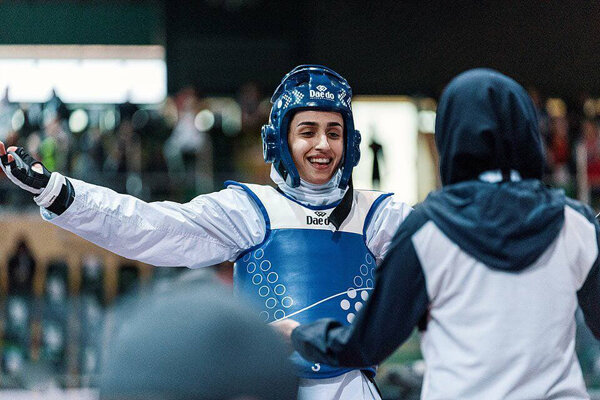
[322, 142]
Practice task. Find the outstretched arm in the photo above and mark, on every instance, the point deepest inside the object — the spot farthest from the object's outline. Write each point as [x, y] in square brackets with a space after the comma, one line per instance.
[210, 229]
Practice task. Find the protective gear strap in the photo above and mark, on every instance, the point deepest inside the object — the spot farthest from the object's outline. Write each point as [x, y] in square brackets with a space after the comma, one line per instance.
[50, 193]
[342, 210]
[64, 199]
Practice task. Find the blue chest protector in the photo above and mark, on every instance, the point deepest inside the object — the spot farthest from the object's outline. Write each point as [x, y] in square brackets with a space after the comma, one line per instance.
[305, 269]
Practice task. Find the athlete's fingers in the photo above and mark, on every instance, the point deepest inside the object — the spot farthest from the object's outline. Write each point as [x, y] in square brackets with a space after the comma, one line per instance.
[9, 158]
[285, 328]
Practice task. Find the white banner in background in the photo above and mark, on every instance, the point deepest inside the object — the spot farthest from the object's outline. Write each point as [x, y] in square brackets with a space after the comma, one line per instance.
[84, 74]
[389, 129]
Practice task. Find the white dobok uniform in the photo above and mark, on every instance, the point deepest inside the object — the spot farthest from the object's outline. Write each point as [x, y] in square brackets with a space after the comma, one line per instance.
[210, 229]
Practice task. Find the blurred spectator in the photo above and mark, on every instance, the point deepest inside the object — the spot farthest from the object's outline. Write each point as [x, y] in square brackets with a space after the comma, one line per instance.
[590, 136]
[7, 112]
[56, 107]
[129, 152]
[186, 140]
[540, 110]
[248, 146]
[559, 152]
[89, 161]
[255, 110]
[21, 270]
[127, 110]
[19, 309]
[56, 308]
[55, 147]
[124, 153]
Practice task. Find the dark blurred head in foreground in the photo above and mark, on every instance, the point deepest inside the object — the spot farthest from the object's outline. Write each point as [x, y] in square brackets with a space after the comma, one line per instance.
[194, 342]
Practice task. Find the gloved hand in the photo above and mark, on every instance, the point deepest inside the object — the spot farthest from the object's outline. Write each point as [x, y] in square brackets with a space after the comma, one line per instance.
[24, 170]
[53, 191]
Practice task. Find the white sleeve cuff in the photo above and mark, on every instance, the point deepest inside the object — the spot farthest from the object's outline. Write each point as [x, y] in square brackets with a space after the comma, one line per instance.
[52, 190]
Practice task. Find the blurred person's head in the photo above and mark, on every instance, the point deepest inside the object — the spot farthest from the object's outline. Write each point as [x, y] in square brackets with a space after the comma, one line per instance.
[250, 96]
[536, 97]
[188, 100]
[589, 129]
[311, 135]
[22, 246]
[559, 127]
[487, 122]
[194, 343]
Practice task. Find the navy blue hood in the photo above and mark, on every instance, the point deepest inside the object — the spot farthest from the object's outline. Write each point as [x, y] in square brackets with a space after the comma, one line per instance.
[487, 122]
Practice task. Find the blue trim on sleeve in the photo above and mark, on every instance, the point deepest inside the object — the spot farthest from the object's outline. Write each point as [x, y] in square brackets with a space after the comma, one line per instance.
[372, 210]
[263, 210]
[368, 218]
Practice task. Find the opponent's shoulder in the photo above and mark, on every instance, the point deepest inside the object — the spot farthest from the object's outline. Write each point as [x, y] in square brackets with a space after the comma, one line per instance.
[582, 209]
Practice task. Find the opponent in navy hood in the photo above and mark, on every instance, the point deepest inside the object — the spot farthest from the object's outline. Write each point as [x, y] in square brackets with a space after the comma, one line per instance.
[493, 204]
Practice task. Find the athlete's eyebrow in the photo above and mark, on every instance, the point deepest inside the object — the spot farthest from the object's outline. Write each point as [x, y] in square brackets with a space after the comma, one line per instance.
[312, 123]
[307, 123]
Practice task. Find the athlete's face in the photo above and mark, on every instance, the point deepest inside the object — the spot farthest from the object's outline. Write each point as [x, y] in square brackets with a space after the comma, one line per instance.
[316, 141]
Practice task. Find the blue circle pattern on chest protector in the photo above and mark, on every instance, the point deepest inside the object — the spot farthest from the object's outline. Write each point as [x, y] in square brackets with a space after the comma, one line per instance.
[307, 274]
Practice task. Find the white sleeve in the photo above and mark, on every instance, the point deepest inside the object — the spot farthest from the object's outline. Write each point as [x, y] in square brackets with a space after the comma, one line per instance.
[383, 226]
[210, 229]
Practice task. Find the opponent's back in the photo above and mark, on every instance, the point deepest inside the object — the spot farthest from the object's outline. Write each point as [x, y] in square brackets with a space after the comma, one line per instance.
[496, 334]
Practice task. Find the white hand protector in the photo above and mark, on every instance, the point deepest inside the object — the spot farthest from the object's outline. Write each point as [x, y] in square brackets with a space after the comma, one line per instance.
[25, 171]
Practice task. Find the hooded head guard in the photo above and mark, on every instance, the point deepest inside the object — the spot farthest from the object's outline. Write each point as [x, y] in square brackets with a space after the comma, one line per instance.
[315, 88]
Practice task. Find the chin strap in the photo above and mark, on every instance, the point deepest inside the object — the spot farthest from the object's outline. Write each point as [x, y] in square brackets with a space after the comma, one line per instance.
[342, 210]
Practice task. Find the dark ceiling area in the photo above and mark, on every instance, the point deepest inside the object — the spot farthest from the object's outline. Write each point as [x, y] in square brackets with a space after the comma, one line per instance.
[382, 47]
[391, 47]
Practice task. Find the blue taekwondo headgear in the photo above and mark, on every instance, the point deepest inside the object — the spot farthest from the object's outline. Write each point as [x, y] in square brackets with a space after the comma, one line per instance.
[309, 87]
